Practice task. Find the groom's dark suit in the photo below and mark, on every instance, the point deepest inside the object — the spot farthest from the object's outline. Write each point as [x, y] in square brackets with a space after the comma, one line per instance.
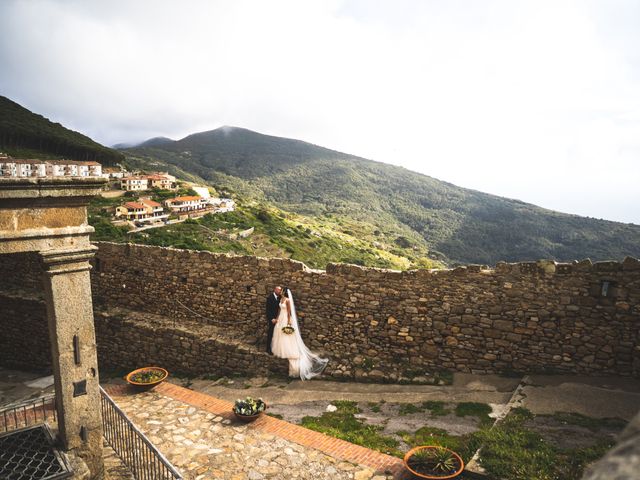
[273, 307]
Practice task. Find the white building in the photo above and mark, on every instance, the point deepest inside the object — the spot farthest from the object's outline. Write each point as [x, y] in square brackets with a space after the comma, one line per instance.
[54, 169]
[39, 169]
[11, 167]
[144, 182]
[113, 173]
[95, 169]
[131, 184]
[187, 204]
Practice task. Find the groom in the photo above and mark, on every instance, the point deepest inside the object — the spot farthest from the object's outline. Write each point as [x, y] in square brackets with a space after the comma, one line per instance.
[273, 305]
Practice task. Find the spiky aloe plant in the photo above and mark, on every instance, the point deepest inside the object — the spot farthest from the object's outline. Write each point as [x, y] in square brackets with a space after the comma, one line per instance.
[435, 461]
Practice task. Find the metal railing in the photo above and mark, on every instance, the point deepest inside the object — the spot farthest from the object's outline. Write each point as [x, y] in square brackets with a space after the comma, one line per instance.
[132, 446]
[30, 412]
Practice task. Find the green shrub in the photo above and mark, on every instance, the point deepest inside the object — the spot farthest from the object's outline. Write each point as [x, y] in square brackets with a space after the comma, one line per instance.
[475, 409]
[436, 408]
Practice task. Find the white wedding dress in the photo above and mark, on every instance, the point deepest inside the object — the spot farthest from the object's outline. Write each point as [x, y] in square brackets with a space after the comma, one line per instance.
[302, 361]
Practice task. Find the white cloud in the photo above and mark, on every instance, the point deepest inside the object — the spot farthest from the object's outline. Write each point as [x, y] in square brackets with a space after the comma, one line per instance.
[537, 100]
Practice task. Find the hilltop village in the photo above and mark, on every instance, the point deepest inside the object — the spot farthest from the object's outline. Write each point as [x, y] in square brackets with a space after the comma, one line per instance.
[149, 199]
[157, 198]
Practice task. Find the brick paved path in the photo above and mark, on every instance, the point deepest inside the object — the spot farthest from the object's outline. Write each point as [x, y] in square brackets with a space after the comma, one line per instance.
[200, 435]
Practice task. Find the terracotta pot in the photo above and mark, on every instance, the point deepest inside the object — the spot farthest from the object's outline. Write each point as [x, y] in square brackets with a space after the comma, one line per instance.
[146, 386]
[457, 457]
[247, 418]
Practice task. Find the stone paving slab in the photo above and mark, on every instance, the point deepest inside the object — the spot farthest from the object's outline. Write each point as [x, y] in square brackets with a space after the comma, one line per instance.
[201, 437]
[597, 397]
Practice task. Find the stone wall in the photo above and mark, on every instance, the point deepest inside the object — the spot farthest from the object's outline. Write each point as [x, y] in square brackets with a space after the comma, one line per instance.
[524, 317]
[124, 343]
[22, 272]
[378, 324]
[24, 334]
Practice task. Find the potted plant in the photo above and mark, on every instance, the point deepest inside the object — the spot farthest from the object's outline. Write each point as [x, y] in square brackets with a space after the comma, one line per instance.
[249, 409]
[146, 378]
[433, 462]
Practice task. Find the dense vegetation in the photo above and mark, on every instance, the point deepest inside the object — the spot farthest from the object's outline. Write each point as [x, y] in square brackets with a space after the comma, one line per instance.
[523, 446]
[388, 204]
[24, 134]
[276, 234]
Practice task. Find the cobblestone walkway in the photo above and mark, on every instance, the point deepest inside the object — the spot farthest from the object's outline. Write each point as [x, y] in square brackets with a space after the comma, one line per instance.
[200, 436]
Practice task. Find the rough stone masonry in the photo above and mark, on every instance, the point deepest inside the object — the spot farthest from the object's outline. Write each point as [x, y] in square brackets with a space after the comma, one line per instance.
[374, 324]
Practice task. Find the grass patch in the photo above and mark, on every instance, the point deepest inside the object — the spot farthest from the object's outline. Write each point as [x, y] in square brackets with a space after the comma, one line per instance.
[436, 408]
[343, 424]
[513, 452]
[475, 409]
[408, 408]
[275, 415]
[346, 406]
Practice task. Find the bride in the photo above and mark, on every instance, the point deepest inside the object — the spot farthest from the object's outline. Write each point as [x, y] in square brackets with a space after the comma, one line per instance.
[287, 342]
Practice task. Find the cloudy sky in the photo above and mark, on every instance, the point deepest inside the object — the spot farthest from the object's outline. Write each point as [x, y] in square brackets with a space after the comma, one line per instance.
[536, 100]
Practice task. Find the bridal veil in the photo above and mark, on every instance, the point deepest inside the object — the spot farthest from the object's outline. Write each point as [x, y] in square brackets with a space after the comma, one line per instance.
[309, 364]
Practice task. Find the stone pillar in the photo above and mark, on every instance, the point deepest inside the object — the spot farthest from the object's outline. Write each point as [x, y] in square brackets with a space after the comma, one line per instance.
[49, 216]
[73, 347]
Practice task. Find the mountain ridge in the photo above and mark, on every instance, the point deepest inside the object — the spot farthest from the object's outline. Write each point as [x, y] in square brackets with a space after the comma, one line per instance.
[27, 134]
[457, 224]
[154, 141]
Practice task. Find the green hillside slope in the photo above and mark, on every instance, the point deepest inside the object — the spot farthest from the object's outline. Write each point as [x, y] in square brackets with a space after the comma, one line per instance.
[401, 206]
[275, 234]
[24, 134]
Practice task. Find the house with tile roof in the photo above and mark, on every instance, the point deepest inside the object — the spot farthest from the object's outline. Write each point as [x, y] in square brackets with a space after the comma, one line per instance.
[133, 184]
[163, 181]
[188, 204]
[143, 210]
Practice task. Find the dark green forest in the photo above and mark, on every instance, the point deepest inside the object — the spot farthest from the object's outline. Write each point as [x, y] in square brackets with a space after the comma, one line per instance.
[454, 224]
[24, 134]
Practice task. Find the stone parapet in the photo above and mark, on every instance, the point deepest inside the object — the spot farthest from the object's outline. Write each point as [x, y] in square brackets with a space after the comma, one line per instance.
[578, 317]
[382, 325]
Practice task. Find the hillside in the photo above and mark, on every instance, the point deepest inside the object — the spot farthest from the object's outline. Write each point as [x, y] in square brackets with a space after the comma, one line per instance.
[388, 203]
[275, 234]
[24, 134]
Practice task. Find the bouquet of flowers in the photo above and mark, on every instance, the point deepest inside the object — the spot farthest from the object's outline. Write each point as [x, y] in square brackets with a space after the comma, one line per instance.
[249, 406]
[288, 330]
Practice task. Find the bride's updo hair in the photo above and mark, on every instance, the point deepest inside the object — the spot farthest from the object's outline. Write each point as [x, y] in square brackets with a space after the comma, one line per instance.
[285, 292]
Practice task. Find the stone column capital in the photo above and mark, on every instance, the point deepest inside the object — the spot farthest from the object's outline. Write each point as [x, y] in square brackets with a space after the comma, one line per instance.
[68, 260]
